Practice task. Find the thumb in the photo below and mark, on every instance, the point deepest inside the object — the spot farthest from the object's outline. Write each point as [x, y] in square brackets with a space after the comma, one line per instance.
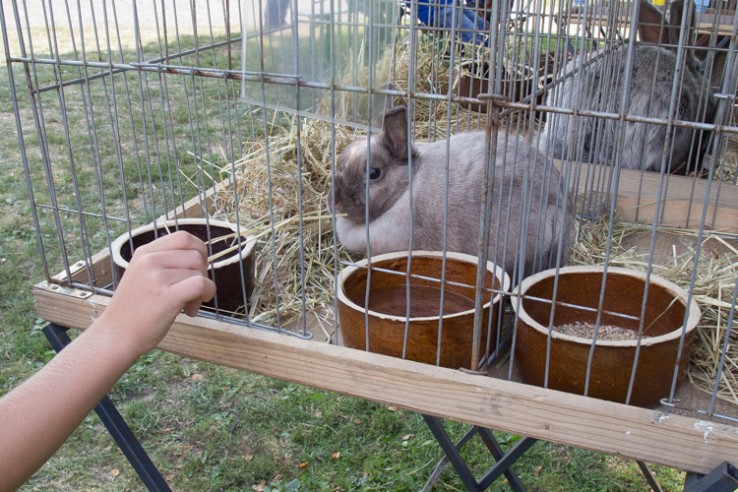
[194, 291]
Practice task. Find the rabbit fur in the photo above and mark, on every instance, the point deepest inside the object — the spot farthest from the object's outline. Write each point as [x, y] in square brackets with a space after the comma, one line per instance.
[653, 71]
[523, 183]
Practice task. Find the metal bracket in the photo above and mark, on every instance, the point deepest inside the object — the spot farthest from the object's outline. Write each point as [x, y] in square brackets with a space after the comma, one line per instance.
[724, 478]
[64, 290]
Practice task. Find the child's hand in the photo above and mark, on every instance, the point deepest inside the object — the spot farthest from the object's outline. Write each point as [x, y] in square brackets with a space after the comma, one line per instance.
[163, 278]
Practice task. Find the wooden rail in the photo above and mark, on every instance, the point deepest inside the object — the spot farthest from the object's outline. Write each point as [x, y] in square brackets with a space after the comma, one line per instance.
[722, 24]
[681, 203]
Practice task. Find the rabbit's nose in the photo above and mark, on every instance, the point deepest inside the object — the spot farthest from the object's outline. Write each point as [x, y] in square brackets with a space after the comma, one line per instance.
[336, 206]
[334, 203]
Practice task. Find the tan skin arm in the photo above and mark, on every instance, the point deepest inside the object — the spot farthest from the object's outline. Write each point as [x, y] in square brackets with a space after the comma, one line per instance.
[163, 278]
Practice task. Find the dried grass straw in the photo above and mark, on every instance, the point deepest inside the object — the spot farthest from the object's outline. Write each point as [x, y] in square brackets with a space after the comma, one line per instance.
[278, 253]
[279, 260]
[282, 225]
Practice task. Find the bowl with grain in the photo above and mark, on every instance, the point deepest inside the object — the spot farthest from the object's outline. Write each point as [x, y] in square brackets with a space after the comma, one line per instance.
[610, 333]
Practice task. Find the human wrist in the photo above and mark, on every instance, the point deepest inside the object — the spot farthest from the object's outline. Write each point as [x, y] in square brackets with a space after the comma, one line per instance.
[114, 337]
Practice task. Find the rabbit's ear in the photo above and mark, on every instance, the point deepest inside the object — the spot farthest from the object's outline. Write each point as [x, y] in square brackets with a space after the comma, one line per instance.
[381, 104]
[395, 132]
[651, 25]
[676, 13]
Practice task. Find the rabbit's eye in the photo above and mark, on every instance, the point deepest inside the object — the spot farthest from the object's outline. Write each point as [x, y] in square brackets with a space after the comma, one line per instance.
[374, 173]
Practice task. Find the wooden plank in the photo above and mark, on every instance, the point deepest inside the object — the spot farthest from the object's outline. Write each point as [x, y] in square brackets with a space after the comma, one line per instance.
[99, 267]
[599, 15]
[198, 206]
[710, 21]
[642, 434]
[681, 204]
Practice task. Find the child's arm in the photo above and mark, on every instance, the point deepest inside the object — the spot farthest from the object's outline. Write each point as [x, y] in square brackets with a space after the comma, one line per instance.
[163, 278]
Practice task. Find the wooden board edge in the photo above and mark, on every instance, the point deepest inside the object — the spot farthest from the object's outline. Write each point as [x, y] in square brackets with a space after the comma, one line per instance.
[647, 435]
[199, 206]
[681, 204]
[97, 270]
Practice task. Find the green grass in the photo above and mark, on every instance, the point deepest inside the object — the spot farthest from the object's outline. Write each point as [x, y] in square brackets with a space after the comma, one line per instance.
[212, 428]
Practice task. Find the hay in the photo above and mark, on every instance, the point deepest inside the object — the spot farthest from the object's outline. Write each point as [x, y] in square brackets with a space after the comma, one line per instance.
[289, 230]
[273, 215]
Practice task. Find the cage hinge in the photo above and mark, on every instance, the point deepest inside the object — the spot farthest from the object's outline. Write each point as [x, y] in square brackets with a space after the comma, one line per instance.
[64, 290]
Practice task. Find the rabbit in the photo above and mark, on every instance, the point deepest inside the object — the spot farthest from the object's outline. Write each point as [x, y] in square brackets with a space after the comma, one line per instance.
[585, 87]
[523, 183]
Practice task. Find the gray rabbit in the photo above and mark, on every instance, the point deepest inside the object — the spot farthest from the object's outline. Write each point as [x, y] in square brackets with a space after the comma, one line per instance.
[526, 190]
[595, 82]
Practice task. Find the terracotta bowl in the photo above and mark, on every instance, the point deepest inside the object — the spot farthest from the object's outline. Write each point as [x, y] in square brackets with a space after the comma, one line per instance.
[383, 324]
[225, 271]
[613, 360]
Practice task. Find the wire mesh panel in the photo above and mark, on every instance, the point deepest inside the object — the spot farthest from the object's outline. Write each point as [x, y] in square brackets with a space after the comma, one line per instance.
[111, 139]
[297, 52]
[562, 173]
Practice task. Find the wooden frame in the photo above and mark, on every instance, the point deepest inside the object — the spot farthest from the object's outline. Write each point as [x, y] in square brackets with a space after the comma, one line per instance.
[681, 204]
[711, 22]
[647, 435]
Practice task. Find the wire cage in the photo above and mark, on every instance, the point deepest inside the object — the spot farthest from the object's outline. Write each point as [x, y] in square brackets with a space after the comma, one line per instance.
[506, 139]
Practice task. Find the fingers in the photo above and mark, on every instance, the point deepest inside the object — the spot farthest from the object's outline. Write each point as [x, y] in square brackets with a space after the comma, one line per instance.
[179, 250]
[172, 268]
[199, 290]
[163, 278]
[183, 259]
[193, 289]
[179, 240]
[184, 271]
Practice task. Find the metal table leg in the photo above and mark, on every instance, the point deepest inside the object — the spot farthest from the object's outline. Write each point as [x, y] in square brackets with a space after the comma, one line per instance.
[116, 425]
[503, 461]
[724, 478]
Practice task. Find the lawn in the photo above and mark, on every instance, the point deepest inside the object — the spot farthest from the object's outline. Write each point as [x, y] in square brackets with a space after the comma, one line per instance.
[209, 427]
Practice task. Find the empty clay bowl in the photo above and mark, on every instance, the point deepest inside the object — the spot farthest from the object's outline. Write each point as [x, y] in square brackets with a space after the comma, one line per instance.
[225, 271]
[383, 324]
[613, 359]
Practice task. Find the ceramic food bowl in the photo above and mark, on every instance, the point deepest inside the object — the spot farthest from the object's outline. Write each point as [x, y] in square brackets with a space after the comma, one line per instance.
[381, 328]
[233, 273]
[669, 323]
